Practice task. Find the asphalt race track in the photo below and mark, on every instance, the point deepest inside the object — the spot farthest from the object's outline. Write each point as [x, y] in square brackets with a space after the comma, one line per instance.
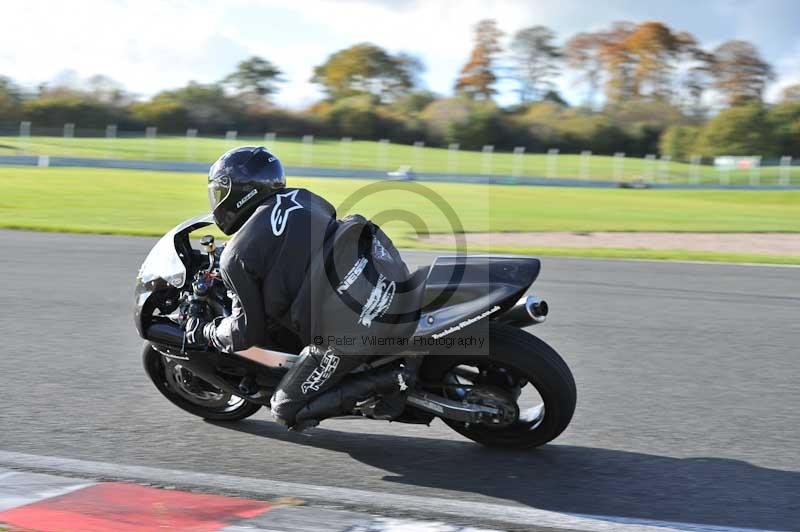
[688, 403]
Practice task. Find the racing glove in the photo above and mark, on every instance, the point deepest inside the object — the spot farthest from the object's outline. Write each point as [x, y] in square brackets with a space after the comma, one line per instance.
[194, 330]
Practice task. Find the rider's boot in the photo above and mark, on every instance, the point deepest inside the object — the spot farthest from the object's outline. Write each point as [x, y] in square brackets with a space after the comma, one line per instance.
[342, 398]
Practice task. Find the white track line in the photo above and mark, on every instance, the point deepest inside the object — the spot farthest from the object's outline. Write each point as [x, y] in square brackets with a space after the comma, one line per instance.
[20, 488]
[411, 504]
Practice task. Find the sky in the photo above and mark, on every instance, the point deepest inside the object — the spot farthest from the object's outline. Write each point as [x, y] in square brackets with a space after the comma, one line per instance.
[151, 45]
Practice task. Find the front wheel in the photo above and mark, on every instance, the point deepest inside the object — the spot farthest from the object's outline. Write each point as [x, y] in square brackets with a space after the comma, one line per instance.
[191, 393]
[522, 375]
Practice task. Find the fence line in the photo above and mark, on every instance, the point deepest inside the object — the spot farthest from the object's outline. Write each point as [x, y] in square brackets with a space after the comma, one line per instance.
[111, 143]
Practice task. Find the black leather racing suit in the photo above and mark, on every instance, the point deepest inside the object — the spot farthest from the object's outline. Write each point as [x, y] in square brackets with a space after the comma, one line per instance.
[334, 284]
[265, 264]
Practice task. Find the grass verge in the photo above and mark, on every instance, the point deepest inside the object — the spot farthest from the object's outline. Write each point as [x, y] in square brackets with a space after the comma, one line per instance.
[132, 202]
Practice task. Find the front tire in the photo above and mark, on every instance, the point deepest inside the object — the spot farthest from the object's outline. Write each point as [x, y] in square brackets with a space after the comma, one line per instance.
[520, 358]
[213, 404]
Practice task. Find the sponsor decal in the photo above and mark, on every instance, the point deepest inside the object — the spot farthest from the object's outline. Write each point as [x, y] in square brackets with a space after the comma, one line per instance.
[284, 205]
[321, 373]
[468, 321]
[378, 250]
[247, 198]
[378, 302]
[352, 275]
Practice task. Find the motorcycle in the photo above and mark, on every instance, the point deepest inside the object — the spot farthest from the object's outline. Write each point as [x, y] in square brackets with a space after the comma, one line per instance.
[517, 393]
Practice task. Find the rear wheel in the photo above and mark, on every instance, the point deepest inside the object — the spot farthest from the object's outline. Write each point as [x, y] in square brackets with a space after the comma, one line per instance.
[191, 393]
[522, 376]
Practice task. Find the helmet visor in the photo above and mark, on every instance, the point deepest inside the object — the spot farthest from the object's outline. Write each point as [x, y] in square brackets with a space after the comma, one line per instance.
[218, 190]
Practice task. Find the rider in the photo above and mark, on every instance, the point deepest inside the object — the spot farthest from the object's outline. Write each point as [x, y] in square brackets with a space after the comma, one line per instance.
[292, 265]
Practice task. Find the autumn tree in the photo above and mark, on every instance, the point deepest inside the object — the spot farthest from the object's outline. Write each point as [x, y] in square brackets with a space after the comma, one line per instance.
[739, 72]
[536, 61]
[582, 53]
[696, 81]
[256, 76]
[655, 50]
[477, 77]
[618, 62]
[367, 69]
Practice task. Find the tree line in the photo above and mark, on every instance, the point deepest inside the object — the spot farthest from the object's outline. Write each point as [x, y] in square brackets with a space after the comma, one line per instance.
[647, 88]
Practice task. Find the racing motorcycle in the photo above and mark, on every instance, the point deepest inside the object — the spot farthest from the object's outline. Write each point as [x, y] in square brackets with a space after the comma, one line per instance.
[474, 365]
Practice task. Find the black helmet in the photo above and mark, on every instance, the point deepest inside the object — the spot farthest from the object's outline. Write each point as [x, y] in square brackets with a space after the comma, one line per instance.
[239, 181]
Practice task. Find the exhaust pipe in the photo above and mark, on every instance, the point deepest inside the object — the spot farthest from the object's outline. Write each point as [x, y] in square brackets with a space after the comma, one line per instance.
[529, 310]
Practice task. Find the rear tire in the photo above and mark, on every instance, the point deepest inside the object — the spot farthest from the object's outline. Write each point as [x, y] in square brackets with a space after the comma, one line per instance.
[156, 369]
[528, 357]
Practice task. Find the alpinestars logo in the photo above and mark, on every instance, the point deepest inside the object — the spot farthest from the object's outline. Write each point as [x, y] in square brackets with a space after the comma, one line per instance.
[378, 302]
[352, 275]
[284, 205]
[246, 198]
[321, 373]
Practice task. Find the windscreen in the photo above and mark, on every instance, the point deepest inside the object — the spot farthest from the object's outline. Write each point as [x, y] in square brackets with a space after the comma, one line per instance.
[163, 262]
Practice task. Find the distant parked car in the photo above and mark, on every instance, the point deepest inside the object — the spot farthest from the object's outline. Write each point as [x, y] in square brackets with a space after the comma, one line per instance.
[634, 183]
[404, 173]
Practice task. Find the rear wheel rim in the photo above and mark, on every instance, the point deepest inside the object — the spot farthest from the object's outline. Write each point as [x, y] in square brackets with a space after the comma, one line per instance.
[480, 376]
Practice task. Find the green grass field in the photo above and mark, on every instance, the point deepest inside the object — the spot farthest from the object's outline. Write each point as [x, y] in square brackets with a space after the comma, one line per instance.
[148, 203]
[364, 154]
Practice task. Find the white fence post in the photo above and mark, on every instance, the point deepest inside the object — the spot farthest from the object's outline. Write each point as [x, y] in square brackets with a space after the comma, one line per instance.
[486, 159]
[552, 163]
[418, 146]
[191, 143]
[111, 135]
[452, 158]
[619, 165]
[663, 168]
[344, 152]
[269, 138]
[586, 157]
[150, 133]
[308, 147]
[69, 130]
[649, 167]
[383, 154]
[25, 136]
[231, 135]
[43, 161]
[517, 160]
[694, 169]
[724, 175]
[786, 168]
[755, 171]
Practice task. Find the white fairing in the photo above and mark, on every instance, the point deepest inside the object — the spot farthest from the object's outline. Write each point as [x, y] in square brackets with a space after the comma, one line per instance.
[163, 262]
